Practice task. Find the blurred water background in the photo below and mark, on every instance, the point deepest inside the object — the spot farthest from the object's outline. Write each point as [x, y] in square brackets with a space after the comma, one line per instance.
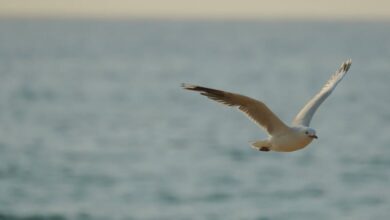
[94, 124]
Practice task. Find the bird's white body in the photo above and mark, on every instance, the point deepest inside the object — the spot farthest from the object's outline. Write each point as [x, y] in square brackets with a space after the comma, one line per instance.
[282, 138]
[290, 140]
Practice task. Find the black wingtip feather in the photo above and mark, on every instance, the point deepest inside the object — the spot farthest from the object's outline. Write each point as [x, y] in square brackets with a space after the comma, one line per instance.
[204, 90]
[346, 65]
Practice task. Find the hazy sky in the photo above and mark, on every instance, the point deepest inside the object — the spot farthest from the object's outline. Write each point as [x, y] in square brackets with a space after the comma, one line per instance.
[316, 9]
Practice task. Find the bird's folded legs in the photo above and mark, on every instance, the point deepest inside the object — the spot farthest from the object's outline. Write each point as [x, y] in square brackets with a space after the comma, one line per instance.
[264, 149]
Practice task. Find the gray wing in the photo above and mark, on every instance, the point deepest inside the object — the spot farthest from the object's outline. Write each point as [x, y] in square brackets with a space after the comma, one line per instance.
[254, 109]
[305, 115]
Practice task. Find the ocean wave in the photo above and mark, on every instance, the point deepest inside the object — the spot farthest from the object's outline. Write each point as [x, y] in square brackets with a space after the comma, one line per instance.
[31, 217]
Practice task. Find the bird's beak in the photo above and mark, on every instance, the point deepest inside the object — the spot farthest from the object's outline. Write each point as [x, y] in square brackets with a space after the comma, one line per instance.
[313, 136]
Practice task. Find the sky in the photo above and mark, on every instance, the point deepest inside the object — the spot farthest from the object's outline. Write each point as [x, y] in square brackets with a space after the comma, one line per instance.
[204, 9]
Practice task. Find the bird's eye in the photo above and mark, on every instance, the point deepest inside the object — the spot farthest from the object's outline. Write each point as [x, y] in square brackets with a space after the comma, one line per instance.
[306, 132]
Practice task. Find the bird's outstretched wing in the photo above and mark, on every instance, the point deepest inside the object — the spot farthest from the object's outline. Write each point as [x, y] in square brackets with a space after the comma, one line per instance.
[305, 115]
[254, 109]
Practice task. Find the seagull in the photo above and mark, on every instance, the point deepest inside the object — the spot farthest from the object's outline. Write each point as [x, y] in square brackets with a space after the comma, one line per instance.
[281, 137]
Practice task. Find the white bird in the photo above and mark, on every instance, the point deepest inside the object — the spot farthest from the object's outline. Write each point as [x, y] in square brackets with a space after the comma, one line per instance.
[281, 138]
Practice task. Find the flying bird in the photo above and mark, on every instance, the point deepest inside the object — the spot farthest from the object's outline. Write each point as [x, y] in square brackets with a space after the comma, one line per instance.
[281, 137]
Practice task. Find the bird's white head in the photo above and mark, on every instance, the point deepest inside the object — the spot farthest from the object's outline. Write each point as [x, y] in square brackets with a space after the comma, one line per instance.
[310, 132]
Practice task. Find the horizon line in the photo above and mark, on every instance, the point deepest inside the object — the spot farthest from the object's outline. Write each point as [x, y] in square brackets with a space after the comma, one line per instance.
[195, 18]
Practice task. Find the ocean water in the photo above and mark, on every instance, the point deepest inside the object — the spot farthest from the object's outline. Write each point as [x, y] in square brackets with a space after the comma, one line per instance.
[94, 124]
